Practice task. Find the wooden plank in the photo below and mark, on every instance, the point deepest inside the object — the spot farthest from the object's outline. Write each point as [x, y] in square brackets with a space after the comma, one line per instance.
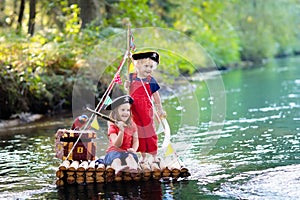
[74, 166]
[83, 166]
[64, 165]
[60, 182]
[92, 166]
[145, 169]
[156, 172]
[88, 172]
[166, 172]
[80, 179]
[71, 180]
[100, 168]
[59, 173]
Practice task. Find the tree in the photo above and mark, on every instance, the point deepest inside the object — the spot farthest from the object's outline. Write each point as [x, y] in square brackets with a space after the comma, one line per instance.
[21, 14]
[31, 21]
[89, 11]
[2, 5]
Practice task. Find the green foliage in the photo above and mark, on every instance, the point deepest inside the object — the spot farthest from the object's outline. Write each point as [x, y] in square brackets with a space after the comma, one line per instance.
[138, 12]
[204, 23]
[17, 88]
[35, 76]
[175, 67]
[266, 29]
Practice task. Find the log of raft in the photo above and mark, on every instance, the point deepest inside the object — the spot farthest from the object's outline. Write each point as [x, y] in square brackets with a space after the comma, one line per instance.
[86, 172]
[100, 169]
[89, 175]
[156, 171]
[74, 166]
[145, 169]
[83, 166]
[166, 172]
[64, 165]
[138, 175]
[60, 174]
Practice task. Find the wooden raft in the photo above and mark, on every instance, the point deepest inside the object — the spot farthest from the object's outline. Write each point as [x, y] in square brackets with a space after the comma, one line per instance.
[85, 172]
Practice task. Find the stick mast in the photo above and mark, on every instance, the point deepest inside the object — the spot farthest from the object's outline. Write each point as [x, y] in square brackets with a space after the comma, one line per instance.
[128, 47]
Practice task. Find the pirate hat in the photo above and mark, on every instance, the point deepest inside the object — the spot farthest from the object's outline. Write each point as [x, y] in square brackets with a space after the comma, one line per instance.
[150, 54]
[119, 101]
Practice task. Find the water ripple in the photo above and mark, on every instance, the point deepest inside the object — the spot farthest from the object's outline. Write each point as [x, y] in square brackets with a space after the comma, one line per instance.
[276, 183]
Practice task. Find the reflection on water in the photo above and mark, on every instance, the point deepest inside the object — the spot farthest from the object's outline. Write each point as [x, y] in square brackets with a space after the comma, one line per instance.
[26, 160]
[144, 190]
[255, 155]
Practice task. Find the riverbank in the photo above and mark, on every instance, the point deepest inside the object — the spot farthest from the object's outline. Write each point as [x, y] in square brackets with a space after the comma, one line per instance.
[19, 119]
[26, 121]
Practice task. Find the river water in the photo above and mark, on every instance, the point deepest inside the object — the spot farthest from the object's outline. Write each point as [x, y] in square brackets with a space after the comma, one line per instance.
[255, 155]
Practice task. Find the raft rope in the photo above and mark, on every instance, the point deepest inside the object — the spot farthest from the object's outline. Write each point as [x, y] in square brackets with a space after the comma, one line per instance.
[152, 103]
[166, 127]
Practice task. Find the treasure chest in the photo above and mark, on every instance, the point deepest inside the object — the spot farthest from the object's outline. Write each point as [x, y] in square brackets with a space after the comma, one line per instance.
[84, 149]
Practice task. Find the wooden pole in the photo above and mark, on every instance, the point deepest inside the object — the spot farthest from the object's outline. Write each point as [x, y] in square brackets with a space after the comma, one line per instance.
[128, 47]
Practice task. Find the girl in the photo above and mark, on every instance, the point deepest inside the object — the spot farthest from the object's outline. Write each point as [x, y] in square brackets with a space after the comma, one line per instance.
[123, 138]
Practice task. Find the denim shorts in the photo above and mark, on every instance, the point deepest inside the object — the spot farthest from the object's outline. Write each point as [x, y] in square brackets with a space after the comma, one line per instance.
[110, 156]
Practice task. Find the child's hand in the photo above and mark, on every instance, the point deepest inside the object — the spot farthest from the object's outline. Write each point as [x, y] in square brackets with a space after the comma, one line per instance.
[131, 150]
[162, 113]
[121, 125]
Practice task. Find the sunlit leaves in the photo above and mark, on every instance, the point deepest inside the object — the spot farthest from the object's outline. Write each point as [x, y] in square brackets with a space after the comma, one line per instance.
[203, 21]
[266, 28]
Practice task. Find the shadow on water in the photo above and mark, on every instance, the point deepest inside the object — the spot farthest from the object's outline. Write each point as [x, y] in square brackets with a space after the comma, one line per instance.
[150, 190]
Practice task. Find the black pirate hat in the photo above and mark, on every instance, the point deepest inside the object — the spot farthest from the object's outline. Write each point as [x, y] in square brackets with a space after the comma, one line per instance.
[119, 101]
[150, 54]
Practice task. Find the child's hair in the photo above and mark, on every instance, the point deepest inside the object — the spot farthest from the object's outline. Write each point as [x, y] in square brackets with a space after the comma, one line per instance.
[146, 61]
[115, 115]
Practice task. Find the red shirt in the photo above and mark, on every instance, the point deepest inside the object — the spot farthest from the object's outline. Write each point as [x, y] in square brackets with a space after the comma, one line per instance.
[127, 138]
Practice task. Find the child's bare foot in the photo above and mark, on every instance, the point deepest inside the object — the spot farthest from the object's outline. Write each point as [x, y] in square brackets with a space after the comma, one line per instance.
[143, 160]
[155, 159]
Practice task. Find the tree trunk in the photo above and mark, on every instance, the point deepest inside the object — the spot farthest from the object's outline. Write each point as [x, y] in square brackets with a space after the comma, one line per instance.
[20, 18]
[31, 22]
[89, 11]
[2, 14]
[2, 5]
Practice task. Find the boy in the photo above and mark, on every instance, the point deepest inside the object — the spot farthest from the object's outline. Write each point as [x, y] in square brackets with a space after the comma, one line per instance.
[142, 88]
